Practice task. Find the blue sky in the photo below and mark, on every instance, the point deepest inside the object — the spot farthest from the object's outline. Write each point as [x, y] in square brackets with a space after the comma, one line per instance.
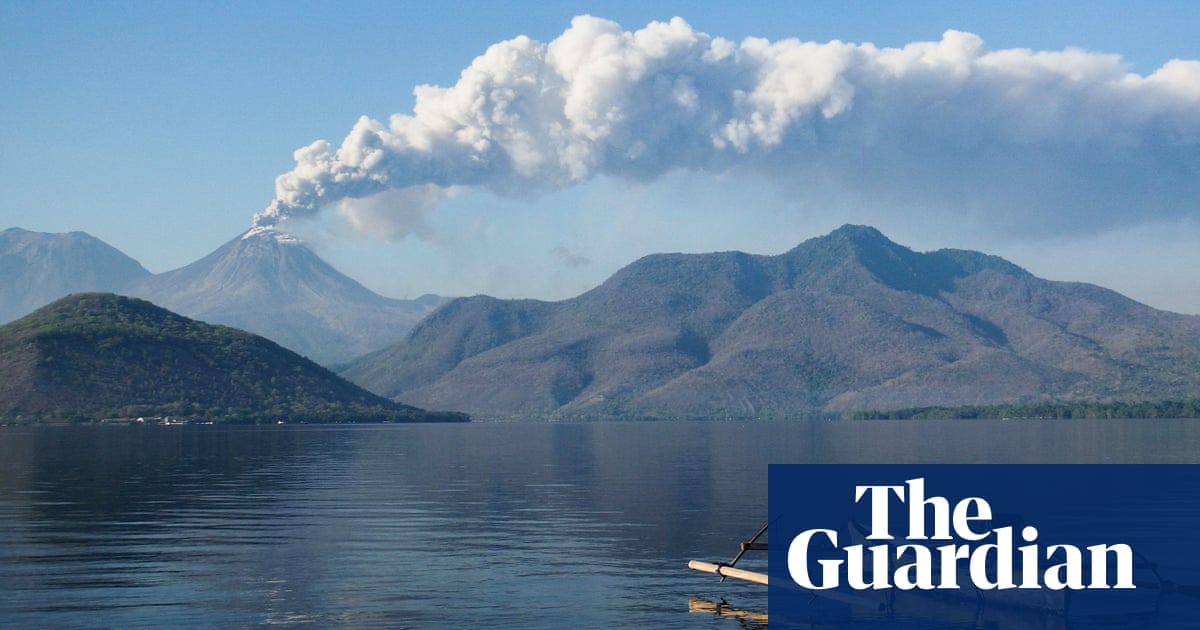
[161, 128]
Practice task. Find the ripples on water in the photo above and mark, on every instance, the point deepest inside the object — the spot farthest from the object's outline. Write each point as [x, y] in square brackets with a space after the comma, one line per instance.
[518, 525]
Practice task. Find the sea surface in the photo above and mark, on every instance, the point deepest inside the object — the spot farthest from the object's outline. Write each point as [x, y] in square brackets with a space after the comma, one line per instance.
[447, 526]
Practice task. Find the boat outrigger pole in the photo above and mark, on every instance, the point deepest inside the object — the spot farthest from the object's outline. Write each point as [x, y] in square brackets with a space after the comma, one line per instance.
[724, 570]
[728, 570]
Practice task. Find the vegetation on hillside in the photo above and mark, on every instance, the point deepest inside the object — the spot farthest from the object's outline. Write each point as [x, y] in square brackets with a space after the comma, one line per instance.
[842, 323]
[1047, 410]
[96, 356]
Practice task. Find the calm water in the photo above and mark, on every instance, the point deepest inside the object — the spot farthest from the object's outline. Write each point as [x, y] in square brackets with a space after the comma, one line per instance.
[484, 525]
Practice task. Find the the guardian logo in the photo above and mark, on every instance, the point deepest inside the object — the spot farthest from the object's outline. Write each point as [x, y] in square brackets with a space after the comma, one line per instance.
[944, 547]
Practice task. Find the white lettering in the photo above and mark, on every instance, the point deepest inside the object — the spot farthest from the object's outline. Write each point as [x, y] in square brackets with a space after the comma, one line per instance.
[1068, 574]
[797, 559]
[990, 566]
[879, 508]
[1124, 557]
[963, 517]
[918, 573]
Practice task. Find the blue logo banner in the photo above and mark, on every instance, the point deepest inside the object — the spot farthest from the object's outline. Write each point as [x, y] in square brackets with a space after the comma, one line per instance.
[974, 546]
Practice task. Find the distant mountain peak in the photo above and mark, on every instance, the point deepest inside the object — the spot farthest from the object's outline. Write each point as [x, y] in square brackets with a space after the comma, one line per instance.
[864, 238]
[37, 268]
[859, 233]
[261, 232]
[263, 280]
[270, 283]
[848, 320]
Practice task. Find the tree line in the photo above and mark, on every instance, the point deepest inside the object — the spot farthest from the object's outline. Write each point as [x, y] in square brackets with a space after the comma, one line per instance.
[1042, 410]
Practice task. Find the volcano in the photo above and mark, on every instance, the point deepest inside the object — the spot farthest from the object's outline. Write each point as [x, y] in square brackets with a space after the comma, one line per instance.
[271, 284]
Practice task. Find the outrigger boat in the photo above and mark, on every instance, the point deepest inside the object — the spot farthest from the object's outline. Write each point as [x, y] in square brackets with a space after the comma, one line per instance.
[729, 570]
[726, 570]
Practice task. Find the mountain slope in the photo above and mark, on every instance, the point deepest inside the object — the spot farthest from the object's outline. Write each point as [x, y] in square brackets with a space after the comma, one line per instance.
[37, 268]
[273, 285]
[90, 356]
[846, 321]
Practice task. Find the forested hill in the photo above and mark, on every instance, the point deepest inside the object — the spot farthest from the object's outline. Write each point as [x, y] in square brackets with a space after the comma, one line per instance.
[94, 356]
[846, 322]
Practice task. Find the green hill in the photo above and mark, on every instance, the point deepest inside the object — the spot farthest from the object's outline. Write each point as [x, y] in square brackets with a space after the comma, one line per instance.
[93, 356]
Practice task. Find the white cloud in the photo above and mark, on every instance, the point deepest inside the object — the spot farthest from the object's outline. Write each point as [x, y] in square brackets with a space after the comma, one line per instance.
[1026, 142]
[393, 214]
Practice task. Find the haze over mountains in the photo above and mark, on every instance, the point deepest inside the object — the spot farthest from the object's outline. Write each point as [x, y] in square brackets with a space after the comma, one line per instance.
[37, 268]
[273, 285]
[261, 281]
[847, 321]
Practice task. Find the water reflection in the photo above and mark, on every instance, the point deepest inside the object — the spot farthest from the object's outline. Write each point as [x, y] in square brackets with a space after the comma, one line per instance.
[522, 525]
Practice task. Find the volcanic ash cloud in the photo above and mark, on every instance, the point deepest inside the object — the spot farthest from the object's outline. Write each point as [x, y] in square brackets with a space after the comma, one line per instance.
[1064, 140]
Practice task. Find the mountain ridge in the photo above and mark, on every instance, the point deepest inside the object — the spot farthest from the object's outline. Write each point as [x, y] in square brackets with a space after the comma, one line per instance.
[37, 268]
[262, 281]
[845, 321]
[270, 284]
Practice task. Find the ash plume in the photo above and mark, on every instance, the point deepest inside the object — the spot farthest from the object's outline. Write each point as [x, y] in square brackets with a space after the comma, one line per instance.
[1058, 140]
